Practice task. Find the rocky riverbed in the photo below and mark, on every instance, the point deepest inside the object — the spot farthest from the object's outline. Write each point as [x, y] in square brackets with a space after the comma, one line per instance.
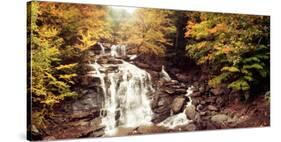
[181, 93]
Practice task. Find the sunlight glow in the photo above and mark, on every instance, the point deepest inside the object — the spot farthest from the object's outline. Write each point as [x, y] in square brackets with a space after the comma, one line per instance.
[127, 9]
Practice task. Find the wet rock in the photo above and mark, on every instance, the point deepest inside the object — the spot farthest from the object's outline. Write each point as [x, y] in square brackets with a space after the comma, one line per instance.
[112, 68]
[190, 112]
[102, 61]
[217, 91]
[196, 101]
[212, 108]
[85, 114]
[97, 134]
[177, 104]
[114, 61]
[159, 117]
[142, 65]
[195, 94]
[203, 113]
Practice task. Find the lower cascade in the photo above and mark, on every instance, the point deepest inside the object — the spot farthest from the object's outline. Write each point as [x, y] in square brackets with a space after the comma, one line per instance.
[125, 89]
[178, 119]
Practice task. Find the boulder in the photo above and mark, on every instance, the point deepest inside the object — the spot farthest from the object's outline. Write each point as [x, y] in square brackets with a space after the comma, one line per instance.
[190, 112]
[212, 108]
[102, 60]
[220, 118]
[159, 117]
[177, 104]
[190, 127]
[95, 124]
[142, 65]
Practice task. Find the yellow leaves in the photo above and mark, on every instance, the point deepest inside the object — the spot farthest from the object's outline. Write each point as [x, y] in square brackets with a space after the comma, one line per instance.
[87, 39]
[151, 49]
[48, 31]
[51, 100]
[205, 59]
[202, 45]
[68, 66]
[218, 29]
[230, 69]
[68, 77]
[148, 30]
[227, 50]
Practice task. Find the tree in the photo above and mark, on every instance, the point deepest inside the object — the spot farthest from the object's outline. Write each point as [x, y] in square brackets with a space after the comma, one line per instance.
[59, 36]
[236, 46]
[147, 32]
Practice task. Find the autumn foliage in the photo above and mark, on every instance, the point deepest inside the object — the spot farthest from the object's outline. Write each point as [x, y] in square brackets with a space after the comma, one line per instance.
[236, 47]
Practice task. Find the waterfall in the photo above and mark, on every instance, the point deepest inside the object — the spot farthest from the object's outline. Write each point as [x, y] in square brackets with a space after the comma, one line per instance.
[178, 119]
[118, 50]
[125, 91]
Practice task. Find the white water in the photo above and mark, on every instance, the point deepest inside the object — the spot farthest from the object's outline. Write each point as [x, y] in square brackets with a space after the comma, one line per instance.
[118, 50]
[102, 48]
[178, 119]
[165, 75]
[125, 93]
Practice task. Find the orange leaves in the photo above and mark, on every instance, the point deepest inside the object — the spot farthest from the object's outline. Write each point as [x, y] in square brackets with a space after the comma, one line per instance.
[219, 28]
[189, 27]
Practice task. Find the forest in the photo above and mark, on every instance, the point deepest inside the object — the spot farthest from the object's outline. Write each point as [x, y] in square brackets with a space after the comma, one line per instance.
[97, 71]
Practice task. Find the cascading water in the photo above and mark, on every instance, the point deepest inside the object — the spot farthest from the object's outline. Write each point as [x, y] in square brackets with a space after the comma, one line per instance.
[178, 119]
[118, 50]
[102, 48]
[164, 74]
[125, 91]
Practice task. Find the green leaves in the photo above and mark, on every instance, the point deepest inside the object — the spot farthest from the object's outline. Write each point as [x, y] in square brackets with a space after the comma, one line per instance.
[239, 84]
